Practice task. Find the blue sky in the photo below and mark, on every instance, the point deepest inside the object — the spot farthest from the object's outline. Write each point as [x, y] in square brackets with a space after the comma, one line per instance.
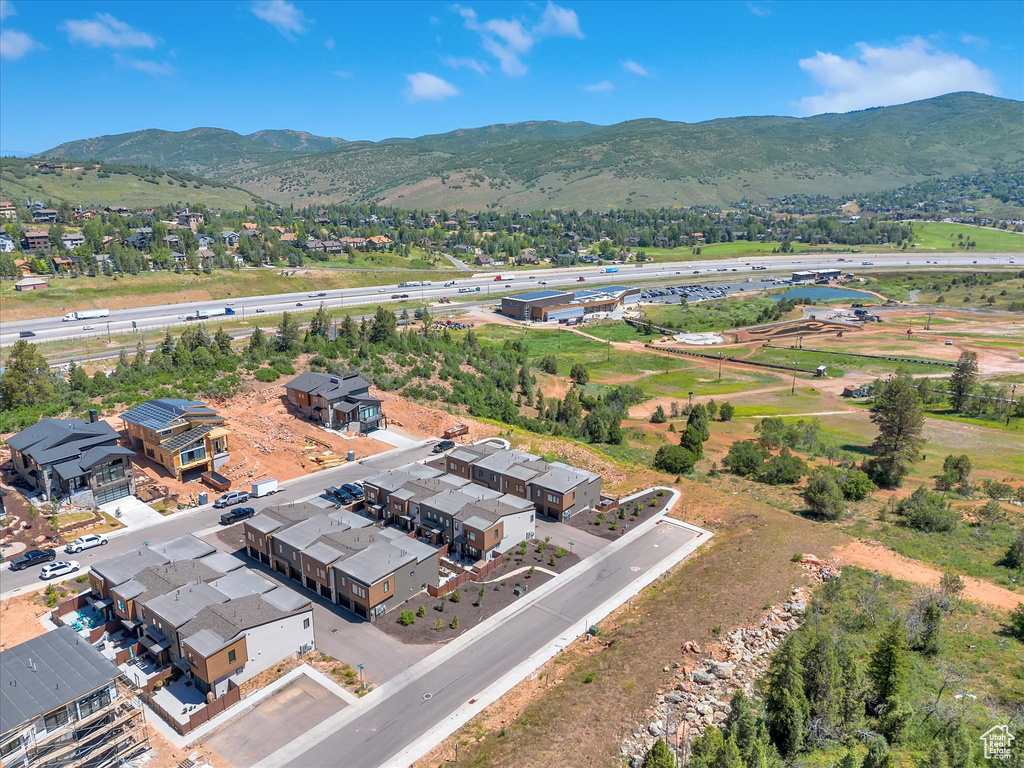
[72, 70]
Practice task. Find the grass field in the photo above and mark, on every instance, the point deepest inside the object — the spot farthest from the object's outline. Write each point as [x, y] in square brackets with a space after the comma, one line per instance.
[840, 364]
[121, 189]
[937, 236]
[719, 315]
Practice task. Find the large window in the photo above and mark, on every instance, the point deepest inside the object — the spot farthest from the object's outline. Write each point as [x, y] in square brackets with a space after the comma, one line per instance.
[196, 454]
[231, 657]
[109, 472]
[358, 591]
[94, 702]
[552, 499]
[56, 719]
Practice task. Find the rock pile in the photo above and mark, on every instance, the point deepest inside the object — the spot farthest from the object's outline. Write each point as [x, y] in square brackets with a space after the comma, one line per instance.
[705, 679]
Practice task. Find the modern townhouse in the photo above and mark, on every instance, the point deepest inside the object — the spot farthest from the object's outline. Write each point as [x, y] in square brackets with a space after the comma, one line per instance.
[73, 457]
[63, 704]
[193, 606]
[186, 437]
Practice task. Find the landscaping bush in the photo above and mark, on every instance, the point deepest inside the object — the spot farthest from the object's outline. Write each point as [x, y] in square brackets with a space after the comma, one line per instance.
[407, 618]
[674, 459]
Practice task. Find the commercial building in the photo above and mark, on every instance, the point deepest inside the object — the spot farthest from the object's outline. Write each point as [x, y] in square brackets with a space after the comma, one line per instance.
[63, 704]
[815, 276]
[548, 305]
[186, 437]
[190, 605]
[342, 556]
[337, 402]
[73, 457]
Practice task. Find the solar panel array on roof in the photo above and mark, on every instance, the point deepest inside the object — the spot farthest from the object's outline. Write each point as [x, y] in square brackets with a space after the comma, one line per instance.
[157, 414]
[537, 295]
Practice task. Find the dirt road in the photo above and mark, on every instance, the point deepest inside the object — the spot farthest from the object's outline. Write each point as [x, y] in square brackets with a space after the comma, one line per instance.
[878, 558]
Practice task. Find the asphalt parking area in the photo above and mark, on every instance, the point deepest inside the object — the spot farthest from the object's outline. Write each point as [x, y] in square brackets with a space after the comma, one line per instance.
[273, 722]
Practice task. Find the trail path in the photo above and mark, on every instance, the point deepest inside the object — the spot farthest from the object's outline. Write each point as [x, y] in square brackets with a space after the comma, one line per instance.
[879, 558]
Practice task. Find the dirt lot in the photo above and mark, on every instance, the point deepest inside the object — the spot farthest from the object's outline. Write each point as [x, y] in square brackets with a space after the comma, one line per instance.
[19, 619]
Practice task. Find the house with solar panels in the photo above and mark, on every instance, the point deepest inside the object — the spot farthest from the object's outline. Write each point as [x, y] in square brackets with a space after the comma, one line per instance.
[186, 437]
[563, 306]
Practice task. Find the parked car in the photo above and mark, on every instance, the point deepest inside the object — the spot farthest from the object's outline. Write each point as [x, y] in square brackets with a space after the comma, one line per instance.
[33, 557]
[353, 490]
[340, 495]
[949, 342]
[85, 542]
[444, 445]
[231, 497]
[58, 569]
[236, 514]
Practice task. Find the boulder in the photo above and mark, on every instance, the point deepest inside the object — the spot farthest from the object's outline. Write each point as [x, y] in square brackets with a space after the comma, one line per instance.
[702, 677]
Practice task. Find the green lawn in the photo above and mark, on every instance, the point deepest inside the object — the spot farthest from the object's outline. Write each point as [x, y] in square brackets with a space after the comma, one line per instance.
[616, 331]
[938, 236]
[840, 364]
[718, 315]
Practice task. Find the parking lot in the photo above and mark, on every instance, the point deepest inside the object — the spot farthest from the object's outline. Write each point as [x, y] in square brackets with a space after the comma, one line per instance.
[673, 294]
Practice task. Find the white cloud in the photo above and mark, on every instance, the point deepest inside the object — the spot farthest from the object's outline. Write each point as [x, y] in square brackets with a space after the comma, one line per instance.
[509, 40]
[282, 15]
[344, 74]
[631, 66]
[758, 10]
[426, 87]
[154, 68]
[604, 85]
[15, 45]
[105, 31]
[434, 20]
[467, 62]
[882, 76]
[329, 43]
[968, 39]
[7, 10]
[558, 22]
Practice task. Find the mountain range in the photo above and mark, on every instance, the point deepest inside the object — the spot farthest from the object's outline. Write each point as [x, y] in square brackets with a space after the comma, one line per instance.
[635, 164]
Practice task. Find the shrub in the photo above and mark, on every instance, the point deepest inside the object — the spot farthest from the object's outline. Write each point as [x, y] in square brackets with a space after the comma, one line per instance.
[927, 511]
[726, 411]
[1017, 623]
[786, 468]
[456, 596]
[823, 495]
[551, 561]
[674, 459]
[658, 417]
[796, 558]
[579, 373]
[455, 622]
[266, 374]
[421, 611]
[745, 457]
[407, 618]
[856, 484]
[588, 678]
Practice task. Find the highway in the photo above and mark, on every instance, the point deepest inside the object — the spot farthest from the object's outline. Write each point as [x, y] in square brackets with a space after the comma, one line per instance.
[165, 315]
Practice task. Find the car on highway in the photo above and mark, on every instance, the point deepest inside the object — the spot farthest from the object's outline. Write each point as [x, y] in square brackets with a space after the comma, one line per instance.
[32, 557]
[382, 290]
[396, 295]
[231, 497]
[543, 282]
[25, 334]
[236, 514]
[58, 569]
[88, 327]
[260, 309]
[183, 317]
[298, 303]
[443, 446]
[229, 303]
[85, 542]
[949, 342]
[582, 279]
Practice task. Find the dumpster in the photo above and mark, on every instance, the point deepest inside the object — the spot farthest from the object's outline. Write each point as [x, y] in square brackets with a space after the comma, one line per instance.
[203, 499]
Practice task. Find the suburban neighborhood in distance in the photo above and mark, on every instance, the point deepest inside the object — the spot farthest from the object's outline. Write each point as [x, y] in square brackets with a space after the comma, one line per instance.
[513, 393]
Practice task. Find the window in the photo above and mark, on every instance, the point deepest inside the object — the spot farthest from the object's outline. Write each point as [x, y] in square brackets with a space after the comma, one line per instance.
[93, 702]
[249, 534]
[120, 606]
[231, 657]
[451, 465]
[305, 623]
[553, 499]
[519, 487]
[12, 746]
[150, 452]
[196, 454]
[320, 573]
[387, 587]
[56, 719]
[470, 535]
[358, 591]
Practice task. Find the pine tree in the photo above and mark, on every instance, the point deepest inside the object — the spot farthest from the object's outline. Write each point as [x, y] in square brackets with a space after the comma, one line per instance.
[222, 342]
[288, 333]
[691, 441]
[382, 329]
[786, 706]
[27, 379]
[699, 418]
[963, 380]
[139, 361]
[823, 677]
[878, 755]
[257, 342]
[320, 322]
[659, 756]
[900, 420]
[658, 417]
[348, 332]
[741, 725]
[167, 345]
[889, 664]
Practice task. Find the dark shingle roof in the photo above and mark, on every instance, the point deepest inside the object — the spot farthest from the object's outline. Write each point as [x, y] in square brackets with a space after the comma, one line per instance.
[47, 672]
[329, 387]
[51, 441]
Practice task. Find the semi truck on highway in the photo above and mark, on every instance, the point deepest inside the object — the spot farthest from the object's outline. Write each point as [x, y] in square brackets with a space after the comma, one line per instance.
[203, 314]
[609, 270]
[470, 290]
[86, 314]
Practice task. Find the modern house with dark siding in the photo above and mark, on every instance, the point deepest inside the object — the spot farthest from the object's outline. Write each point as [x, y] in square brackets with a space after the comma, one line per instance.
[337, 402]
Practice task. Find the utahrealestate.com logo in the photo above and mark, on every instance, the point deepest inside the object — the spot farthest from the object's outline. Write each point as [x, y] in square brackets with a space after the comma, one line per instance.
[998, 742]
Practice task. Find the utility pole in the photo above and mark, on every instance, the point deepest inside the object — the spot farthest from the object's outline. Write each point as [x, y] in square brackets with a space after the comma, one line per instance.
[792, 389]
[719, 366]
[1013, 391]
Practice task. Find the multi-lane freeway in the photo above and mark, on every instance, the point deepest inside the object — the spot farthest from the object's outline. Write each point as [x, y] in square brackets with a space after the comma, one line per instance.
[164, 315]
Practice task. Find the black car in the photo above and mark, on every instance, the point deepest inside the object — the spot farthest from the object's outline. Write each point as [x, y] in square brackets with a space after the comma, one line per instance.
[25, 334]
[33, 557]
[340, 495]
[236, 514]
[444, 445]
[353, 490]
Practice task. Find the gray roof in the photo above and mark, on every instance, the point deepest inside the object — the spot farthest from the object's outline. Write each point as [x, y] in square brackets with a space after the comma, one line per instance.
[47, 672]
[242, 582]
[221, 562]
[537, 295]
[375, 562]
[329, 387]
[303, 534]
[52, 441]
[185, 603]
[122, 568]
[185, 548]
[215, 625]
[560, 480]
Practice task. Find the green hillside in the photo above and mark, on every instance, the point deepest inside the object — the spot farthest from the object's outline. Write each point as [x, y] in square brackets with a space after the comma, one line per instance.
[97, 186]
[636, 164]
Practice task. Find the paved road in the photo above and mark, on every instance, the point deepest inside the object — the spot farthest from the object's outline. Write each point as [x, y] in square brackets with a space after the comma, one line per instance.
[374, 735]
[161, 316]
[179, 524]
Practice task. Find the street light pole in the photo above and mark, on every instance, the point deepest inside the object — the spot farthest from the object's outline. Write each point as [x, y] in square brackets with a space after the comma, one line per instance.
[719, 366]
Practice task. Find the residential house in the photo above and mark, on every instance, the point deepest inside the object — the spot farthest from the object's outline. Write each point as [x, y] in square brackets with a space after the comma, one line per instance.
[378, 242]
[120, 210]
[183, 436]
[72, 457]
[72, 240]
[63, 703]
[230, 238]
[179, 258]
[6, 244]
[205, 241]
[141, 239]
[36, 240]
[189, 219]
[289, 238]
[484, 260]
[197, 608]
[338, 402]
[171, 242]
[44, 216]
[8, 211]
[314, 245]
[341, 556]
[31, 284]
[353, 242]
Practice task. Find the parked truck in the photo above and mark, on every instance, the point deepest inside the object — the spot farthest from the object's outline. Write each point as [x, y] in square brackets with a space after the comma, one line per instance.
[203, 314]
[264, 488]
[86, 314]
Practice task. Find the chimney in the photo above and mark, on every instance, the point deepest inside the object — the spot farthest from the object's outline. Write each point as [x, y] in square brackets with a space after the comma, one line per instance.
[93, 416]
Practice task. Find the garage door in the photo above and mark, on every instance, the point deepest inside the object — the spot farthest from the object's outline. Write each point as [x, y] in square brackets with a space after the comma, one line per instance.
[111, 493]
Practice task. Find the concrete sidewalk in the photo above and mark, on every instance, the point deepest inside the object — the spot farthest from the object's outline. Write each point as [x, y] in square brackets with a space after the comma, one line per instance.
[132, 513]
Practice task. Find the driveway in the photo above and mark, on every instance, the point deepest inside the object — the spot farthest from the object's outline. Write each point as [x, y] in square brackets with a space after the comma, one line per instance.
[132, 512]
[584, 544]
